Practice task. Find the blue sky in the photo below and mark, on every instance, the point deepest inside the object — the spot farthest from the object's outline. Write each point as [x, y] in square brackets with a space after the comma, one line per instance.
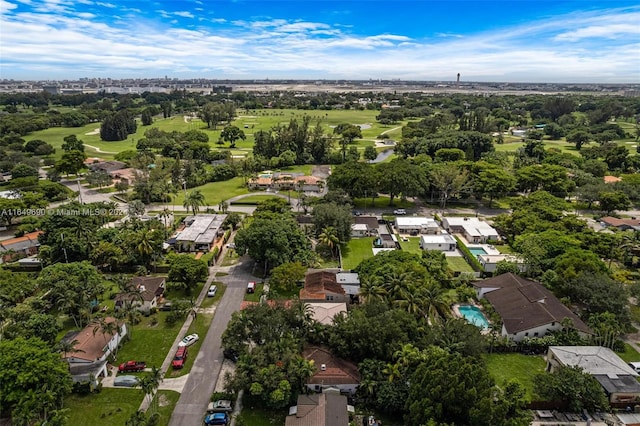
[519, 41]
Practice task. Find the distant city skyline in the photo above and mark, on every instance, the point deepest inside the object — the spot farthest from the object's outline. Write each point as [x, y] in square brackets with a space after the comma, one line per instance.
[508, 41]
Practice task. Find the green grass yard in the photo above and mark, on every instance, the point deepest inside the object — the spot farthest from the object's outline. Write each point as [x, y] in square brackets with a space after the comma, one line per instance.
[412, 246]
[110, 406]
[356, 250]
[382, 202]
[215, 192]
[150, 342]
[255, 199]
[629, 354]
[523, 368]
[458, 264]
[200, 326]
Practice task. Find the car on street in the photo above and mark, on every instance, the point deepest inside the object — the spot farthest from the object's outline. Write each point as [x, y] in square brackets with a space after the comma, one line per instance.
[216, 419]
[220, 406]
[126, 381]
[400, 211]
[189, 340]
[356, 213]
[212, 290]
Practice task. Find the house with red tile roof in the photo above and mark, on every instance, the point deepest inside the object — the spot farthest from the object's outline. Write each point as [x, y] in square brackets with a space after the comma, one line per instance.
[322, 286]
[13, 248]
[331, 371]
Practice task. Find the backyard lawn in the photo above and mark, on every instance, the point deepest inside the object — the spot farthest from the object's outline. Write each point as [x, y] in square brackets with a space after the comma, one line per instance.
[356, 250]
[523, 368]
[412, 246]
[458, 264]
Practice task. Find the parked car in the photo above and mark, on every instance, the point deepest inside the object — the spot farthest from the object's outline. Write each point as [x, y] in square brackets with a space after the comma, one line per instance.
[180, 357]
[132, 366]
[216, 419]
[635, 366]
[231, 246]
[231, 355]
[220, 406]
[399, 211]
[189, 340]
[166, 306]
[251, 287]
[356, 213]
[126, 381]
[212, 290]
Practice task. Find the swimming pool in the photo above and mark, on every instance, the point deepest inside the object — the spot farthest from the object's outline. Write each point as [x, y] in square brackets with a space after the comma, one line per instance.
[474, 316]
[477, 251]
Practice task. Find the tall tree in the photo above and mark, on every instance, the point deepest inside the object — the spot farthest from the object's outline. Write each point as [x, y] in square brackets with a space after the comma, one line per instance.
[232, 134]
[449, 181]
[194, 200]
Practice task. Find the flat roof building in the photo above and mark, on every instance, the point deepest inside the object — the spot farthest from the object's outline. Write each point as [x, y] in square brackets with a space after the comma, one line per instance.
[200, 233]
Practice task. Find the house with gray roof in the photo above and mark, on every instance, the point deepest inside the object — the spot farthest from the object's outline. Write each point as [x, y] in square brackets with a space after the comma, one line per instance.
[200, 232]
[616, 377]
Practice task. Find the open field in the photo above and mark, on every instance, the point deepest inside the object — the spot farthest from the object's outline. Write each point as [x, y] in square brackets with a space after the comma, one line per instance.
[523, 368]
[250, 122]
[356, 250]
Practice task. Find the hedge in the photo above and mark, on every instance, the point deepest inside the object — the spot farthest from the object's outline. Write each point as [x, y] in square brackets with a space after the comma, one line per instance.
[473, 261]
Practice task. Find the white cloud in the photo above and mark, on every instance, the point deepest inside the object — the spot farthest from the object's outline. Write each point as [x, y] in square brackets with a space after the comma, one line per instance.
[5, 6]
[577, 47]
[184, 14]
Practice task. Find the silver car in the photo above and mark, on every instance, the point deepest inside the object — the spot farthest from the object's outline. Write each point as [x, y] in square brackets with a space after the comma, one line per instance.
[126, 381]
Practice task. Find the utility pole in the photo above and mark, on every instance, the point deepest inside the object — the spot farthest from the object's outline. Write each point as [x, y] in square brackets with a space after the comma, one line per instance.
[79, 191]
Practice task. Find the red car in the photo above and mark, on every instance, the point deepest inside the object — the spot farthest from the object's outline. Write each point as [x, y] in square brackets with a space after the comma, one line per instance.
[132, 366]
[180, 358]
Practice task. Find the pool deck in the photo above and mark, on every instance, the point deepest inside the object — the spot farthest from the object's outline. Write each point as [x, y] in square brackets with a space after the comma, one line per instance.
[488, 248]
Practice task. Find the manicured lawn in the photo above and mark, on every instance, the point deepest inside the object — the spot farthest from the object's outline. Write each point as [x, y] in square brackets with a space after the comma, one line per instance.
[412, 246]
[149, 342]
[629, 354]
[255, 199]
[505, 249]
[382, 203]
[109, 407]
[356, 250]
[523, 368]
[166, 402]
[254, 415]
[214, 192]
[458, 264]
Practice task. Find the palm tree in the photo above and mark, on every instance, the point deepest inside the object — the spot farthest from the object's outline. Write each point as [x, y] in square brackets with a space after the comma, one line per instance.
[412, 301]
[396, 284]
[107, 328]
[164, 215]
[144, 247]
[194, 200]
[372, 289]
[436, 306]
[154, 378]
[68, 347]
[329, 237]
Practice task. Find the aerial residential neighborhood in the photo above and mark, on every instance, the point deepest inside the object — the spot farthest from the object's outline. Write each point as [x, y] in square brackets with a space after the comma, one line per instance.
[319, 213]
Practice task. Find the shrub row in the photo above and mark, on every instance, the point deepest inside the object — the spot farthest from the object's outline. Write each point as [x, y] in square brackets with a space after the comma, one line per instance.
[473, 261]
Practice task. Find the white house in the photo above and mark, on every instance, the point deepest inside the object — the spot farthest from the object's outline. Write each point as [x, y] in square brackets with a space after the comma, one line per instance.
[416, 225]
[200, 232]
[440, 242]
[92, 351]
[359, 230]
[473, 229]
[527, 308]
[490, 261]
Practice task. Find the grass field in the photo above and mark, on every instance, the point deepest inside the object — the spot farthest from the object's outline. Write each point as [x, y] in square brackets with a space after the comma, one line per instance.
[523, 368]
[458, 264]
[356, 250]
[214, 192]
[412, 246]
[150, 342]
[109, 407]
[255, 199]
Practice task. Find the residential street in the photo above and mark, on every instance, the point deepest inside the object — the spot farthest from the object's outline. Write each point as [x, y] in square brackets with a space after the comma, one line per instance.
[191, 406]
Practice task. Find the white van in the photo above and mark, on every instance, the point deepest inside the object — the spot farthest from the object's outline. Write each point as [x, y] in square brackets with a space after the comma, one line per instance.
[635, 366]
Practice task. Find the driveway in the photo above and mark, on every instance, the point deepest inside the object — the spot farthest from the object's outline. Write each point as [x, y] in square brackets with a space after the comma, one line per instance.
[196, 394]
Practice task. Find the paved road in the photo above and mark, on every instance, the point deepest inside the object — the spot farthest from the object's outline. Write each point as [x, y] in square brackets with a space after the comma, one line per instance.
[191, 406]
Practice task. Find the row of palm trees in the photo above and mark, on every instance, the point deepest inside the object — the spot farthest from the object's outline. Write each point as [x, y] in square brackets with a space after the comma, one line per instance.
[423, 298]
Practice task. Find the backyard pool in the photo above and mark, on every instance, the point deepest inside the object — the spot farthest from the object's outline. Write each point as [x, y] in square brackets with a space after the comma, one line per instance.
[476, 251]
[474, 316]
